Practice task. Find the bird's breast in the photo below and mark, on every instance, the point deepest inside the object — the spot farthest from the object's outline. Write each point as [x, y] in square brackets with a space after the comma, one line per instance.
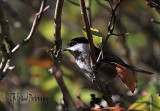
[85, 67]
[107, 71]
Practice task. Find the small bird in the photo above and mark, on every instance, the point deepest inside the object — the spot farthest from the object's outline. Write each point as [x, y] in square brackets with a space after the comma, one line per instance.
[108, 66]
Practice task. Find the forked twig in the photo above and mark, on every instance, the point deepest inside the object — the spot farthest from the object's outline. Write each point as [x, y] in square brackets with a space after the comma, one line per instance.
[34, 25]
[5, 65]
[111, 25]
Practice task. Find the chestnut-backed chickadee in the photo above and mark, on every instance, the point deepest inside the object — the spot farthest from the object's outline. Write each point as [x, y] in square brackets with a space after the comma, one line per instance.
[79, 48]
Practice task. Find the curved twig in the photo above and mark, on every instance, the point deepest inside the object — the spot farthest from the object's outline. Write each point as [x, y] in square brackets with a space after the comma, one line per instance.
[34, 25]
[5, 63]
[92, 52]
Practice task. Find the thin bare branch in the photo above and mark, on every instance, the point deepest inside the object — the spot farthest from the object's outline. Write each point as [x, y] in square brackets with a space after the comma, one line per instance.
[154, 21]
[6, 61]
[70, 105]
[34, 25]
[66, 96]
[88, 7]
[3, 65]
[125, 34]
[57, 27]
[153, 3]
[111, 25]
[92, 52]
[23, 20]
[5, 32]
[87, 26]
[4, 36]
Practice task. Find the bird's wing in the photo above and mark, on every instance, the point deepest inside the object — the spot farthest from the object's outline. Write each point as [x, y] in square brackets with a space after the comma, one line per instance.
[110, 69]
[117, 60]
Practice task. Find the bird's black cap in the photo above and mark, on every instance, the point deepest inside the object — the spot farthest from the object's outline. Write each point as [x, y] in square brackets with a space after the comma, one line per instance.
[80, 40]
[77, 40]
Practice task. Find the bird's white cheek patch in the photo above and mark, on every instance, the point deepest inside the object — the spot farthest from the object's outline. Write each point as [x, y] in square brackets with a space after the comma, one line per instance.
[80, 47]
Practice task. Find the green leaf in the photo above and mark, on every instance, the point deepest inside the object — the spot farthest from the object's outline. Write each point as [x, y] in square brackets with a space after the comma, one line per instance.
[149, 102]
[155, 105]
[97, 36]
[141, 104]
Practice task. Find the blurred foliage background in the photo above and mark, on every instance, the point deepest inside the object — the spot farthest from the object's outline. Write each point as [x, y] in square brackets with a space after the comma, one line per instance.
[141, 48]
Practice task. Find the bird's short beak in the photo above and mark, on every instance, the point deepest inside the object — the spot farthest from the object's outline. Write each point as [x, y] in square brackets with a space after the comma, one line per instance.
[66, 49]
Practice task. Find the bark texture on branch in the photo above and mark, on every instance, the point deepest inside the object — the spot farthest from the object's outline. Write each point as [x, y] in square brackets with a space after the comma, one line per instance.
[5, 64]
[56, 55]
[92, 52]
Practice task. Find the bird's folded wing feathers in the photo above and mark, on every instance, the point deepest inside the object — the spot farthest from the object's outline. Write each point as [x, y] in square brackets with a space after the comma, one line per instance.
[117, 60]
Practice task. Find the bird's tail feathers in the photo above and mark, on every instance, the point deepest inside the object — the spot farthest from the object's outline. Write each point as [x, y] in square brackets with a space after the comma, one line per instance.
[139, 70]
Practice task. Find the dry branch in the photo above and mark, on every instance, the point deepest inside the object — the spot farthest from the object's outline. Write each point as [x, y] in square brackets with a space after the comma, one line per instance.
[5, 62]
[34, 25]
[92, 52]
[70, 105]
[88, 7]
[24, 21]
[87, 26]
[111, 25]
[2, 38]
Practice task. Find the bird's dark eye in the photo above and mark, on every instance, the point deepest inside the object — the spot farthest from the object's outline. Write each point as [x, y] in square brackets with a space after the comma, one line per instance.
[72, 43]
